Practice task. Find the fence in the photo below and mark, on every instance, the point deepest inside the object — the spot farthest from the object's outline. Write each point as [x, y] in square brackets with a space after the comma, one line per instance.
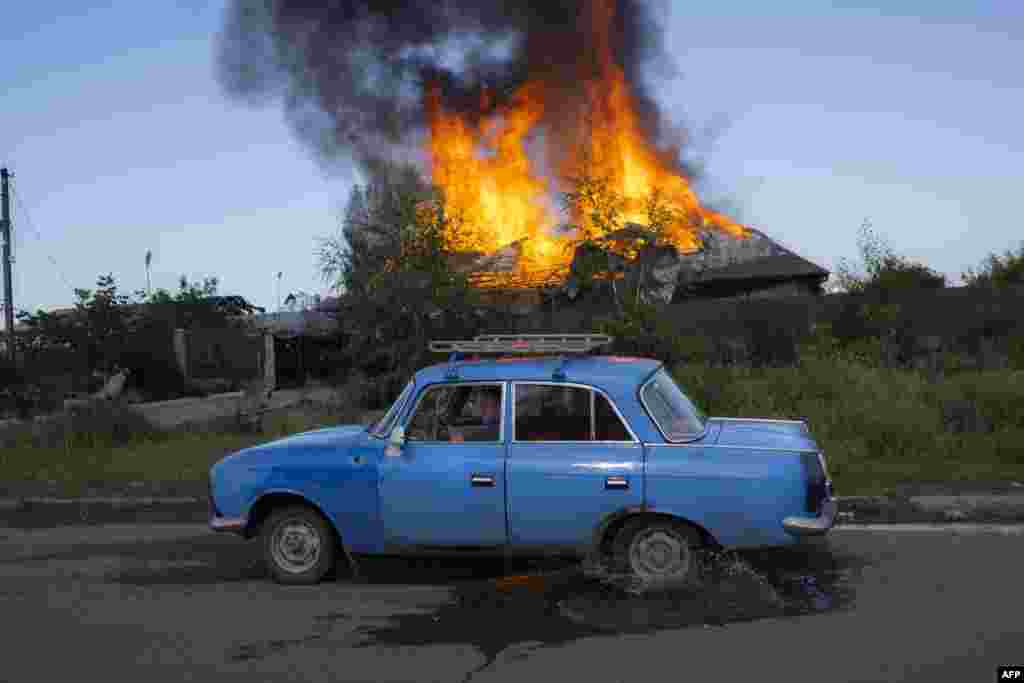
[299, 358]
[229, 355]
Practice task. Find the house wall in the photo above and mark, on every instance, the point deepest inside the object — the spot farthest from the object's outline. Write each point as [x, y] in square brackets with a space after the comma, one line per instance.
[790, 288]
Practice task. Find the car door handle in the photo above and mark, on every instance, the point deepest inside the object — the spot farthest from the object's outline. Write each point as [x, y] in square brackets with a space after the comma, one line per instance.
[616, 483]
[481, 480]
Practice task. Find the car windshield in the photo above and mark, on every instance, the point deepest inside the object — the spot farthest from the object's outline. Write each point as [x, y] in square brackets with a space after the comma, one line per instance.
[675, 414]
[382, 426]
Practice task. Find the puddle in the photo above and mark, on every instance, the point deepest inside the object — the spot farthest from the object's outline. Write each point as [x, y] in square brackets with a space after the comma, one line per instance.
[562, 604]
[511, 607]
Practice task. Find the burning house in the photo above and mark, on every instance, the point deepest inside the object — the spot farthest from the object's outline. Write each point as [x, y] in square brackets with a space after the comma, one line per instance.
[504, 106]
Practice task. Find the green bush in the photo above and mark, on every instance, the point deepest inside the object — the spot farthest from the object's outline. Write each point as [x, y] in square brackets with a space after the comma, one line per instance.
[771, 343]
[1015, 350]
[994, 328]
[878, 426]
[999, 396]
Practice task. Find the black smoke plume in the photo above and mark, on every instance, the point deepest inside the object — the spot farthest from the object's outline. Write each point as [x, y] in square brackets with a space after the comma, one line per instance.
[351, 73]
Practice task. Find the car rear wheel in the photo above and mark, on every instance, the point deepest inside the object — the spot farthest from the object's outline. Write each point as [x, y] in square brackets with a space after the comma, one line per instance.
[298, 545]
[658, 553]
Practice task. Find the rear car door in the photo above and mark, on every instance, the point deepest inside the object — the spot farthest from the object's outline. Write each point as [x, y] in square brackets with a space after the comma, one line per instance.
[572, 460]
[446, 488]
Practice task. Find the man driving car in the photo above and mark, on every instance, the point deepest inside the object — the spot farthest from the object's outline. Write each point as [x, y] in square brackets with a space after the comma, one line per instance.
[489, 427]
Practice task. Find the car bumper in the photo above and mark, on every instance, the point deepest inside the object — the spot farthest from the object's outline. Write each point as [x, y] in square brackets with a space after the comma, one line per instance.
[813, 526]
[234, 525]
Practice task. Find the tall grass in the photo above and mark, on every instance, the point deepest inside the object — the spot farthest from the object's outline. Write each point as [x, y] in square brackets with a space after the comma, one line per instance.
[109, 443]
[880, 427]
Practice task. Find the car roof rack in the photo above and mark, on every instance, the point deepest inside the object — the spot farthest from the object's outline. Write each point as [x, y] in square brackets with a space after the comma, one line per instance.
[502, 344]
[523, 343]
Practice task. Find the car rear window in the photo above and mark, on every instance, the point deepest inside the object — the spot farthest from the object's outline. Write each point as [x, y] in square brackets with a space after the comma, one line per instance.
[676, 416]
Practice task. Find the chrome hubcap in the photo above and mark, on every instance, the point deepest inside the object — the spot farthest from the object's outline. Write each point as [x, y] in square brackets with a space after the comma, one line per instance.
[296, 546]
[658, 554]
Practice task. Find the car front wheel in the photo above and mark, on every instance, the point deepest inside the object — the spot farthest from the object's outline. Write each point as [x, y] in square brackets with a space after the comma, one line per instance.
[298, 545]
[658, 553]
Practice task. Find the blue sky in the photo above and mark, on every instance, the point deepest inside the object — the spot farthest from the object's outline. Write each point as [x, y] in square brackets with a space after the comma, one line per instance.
[121, 141]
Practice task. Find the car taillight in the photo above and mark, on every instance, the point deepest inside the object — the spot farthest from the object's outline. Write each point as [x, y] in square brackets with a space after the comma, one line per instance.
[817, 483]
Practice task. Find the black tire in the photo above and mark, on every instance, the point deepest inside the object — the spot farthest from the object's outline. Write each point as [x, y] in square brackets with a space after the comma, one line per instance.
[679, 545]
[306, 527]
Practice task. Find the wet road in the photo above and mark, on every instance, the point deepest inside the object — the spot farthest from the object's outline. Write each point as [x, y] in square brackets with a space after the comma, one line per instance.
[174, 602]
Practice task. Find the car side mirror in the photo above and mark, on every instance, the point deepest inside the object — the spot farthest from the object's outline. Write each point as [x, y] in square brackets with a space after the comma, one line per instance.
[397, 437]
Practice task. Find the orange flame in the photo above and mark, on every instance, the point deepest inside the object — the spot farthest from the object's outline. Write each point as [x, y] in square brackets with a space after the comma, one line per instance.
[491, 182]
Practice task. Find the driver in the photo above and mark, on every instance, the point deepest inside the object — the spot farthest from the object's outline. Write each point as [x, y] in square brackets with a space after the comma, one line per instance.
[490, 419]
[490, 412]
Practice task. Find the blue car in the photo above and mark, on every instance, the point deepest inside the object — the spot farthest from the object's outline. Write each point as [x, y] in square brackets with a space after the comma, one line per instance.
[564, 453]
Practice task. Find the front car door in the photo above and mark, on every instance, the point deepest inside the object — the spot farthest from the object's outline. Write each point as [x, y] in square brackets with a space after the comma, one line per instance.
[446, 488]
[572, 461]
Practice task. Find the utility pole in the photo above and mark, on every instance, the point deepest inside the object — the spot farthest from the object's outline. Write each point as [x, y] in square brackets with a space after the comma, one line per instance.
[5, 228]
[279, 274]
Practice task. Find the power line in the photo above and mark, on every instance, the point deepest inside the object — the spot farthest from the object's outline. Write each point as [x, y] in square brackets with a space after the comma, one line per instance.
[31, 225]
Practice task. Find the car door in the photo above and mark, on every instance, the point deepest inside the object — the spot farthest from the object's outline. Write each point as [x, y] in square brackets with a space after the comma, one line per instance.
[446, 487]
[572, 460]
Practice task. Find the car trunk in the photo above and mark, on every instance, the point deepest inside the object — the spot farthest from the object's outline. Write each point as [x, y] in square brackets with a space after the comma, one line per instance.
[792, 434]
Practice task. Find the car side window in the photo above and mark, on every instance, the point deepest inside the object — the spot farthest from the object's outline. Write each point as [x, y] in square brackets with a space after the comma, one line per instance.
[459, 413]
[384, 425]
[552, 413]
[425, 422]
[607, 424]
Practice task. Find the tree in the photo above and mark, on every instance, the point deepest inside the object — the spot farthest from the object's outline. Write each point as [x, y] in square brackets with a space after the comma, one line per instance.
[97, 327]
[885, 271]
[194, 305]
[391, 263]
[997, 272]
[346, 260]
[395, 223]
[104, 320]
[373, 229]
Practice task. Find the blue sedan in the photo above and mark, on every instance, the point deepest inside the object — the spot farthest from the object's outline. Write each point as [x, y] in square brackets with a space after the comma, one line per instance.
[569, 454]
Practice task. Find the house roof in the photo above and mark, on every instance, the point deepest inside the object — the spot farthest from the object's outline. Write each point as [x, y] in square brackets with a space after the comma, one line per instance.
[777, 267]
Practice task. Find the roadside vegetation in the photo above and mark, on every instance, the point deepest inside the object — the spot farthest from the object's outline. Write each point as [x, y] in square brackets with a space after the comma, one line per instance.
[878, 426]
[883, 412]
[108, 444]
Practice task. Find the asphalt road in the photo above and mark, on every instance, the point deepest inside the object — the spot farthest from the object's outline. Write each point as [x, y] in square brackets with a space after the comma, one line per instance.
[175, 602]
